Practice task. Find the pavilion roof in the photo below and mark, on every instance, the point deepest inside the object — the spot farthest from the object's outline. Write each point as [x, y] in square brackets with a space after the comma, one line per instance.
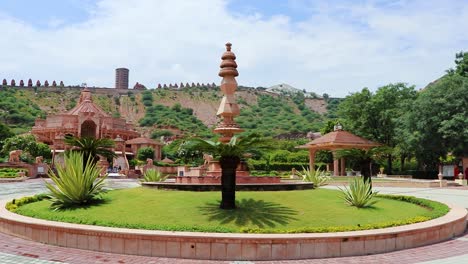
[167, 160]
[340, 139]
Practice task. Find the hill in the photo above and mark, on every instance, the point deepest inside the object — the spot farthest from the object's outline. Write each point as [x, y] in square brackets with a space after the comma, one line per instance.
[189, 109]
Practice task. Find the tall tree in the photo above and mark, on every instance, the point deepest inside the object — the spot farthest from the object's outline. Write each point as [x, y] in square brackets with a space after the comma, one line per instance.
[437, 122]
[461, 62]
[376, 116]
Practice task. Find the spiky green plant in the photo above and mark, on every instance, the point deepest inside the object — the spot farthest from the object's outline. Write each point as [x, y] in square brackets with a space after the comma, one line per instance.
[317, 177]
[359, 194]
[153, 175]
[77, 183]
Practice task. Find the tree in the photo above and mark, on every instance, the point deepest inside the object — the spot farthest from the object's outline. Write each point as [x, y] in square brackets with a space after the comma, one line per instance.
[91, 147]
[31, 148]
[437, 122]
[5, 133]
[461, 62]
[145, 153]
[375, 116]
[229, 156]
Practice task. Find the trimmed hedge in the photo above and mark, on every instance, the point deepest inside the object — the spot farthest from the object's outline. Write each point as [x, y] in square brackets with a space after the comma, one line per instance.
[15, 203]
[11, 172]
[261, 165]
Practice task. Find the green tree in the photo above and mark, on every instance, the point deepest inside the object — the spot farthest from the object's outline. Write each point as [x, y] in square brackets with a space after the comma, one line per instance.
[145, 153]
[461, 62]
[437, 122]
[28, 144]
[5, 133]
[91, 147]
[375, 116]
[229, 155]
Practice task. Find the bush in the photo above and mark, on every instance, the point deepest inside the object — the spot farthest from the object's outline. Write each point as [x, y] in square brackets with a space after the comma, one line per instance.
[15, 203]
[145, 153]
[11, 172]
[359, 193]
[76, 183]
[262, 165]
[300, 156]
[153, 175]
[161, 133]
[317, 177]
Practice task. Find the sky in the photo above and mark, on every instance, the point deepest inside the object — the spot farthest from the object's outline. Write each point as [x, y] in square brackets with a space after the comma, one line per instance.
[322, 46]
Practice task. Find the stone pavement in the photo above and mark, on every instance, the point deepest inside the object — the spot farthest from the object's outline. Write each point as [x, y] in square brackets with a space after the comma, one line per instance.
[16, 250]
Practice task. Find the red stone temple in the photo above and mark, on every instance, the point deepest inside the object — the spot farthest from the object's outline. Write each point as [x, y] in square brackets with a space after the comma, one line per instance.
[89, 120]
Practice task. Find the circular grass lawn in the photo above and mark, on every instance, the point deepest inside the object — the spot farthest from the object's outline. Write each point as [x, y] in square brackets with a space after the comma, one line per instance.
[318, 210]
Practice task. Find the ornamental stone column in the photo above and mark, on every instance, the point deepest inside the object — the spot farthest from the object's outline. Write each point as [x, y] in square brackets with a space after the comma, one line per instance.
[228, 109]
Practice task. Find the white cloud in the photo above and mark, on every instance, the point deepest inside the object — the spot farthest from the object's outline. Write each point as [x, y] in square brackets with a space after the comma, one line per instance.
[339, 49]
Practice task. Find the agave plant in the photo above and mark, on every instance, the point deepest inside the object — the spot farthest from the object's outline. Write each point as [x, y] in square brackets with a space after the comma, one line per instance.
[153, 175]
[317, 177]
[359, 194]
[77, 183]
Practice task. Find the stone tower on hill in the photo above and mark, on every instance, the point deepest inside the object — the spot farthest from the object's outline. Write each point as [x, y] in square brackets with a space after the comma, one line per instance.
[121, 78]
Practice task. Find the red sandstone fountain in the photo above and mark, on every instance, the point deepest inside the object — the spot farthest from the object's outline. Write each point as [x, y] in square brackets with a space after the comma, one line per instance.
[210, 172]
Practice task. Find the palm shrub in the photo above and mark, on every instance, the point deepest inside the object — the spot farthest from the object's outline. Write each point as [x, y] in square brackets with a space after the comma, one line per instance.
[92, 148]
[229, 155]
[317, 177]
[359, 193]
[77, 183]
[153, 175]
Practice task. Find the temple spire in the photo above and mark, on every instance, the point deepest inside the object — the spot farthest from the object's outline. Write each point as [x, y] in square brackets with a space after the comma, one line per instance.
[228, 109]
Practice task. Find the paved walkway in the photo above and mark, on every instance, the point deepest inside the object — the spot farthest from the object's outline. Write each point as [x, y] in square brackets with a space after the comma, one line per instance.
[16, 250]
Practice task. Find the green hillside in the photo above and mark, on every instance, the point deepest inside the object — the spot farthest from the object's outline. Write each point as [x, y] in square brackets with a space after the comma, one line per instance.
[191, 110]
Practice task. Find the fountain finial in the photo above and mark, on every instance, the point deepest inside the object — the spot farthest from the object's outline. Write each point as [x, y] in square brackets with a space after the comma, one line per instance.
[228, 109]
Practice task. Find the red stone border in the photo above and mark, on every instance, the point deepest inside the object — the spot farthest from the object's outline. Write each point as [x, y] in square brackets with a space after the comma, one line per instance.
[221, 246]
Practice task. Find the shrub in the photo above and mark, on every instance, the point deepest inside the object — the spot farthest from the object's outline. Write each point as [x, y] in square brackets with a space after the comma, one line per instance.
[317, 177]
[153, 175]
[15, 203]
[76, 183]
[359, 193]
[278, 166]
[145, 153]
[11, 172]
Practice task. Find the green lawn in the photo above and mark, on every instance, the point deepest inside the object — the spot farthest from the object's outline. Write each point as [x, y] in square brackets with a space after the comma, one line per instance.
[318, 210]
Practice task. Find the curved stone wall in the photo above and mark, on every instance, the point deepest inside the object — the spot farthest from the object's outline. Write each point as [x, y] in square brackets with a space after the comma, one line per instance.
[220, 246]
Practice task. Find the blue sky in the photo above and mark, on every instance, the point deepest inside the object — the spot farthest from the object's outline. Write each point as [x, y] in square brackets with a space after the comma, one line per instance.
[334, 47]
[43, 13]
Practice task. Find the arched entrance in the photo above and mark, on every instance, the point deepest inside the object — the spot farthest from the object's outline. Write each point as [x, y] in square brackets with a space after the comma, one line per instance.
[88, 129]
